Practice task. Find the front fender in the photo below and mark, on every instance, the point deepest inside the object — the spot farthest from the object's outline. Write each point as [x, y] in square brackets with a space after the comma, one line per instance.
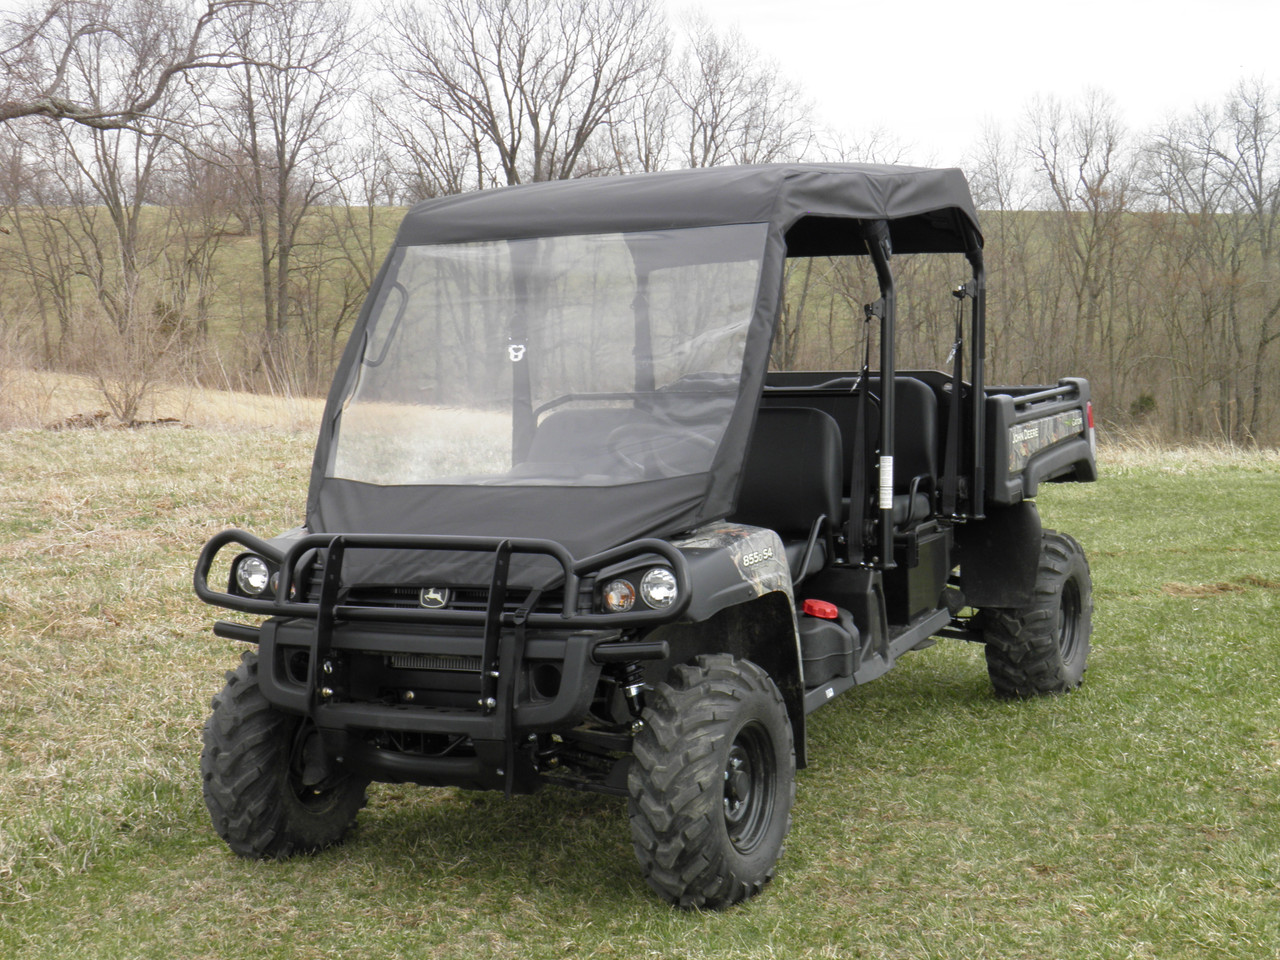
[743, 603]
[730, 564]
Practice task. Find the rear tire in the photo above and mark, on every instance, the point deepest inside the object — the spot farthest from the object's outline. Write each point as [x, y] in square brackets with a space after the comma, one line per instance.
[270, 791]
[712, 782]
[1043, 648]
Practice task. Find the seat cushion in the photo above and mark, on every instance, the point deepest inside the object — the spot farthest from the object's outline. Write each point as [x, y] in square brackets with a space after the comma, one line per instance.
[795, 553]
[908, 508]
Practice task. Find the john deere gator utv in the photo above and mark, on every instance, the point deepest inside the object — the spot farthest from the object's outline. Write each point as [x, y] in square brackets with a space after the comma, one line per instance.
[566, 527]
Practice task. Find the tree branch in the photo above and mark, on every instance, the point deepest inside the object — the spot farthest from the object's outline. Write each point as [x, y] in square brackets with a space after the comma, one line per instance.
[35, 62]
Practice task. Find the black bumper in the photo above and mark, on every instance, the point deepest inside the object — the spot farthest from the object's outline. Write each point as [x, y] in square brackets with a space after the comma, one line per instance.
[373, 682]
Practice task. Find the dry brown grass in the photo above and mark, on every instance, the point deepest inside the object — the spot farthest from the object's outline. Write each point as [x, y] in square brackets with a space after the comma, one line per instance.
[1180, 458]
[35, 398]
[1176, 589]
[98, 532]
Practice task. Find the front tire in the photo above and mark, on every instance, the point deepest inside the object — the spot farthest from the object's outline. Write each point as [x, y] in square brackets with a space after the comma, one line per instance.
[1043, 648]
[270, 790]
[712, 782]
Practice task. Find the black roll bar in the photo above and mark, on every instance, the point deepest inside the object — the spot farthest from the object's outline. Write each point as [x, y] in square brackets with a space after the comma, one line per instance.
[876, 234]
[978, 484]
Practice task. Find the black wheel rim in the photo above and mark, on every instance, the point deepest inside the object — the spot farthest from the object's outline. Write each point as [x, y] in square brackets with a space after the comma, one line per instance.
[1069, 621]
[315, 792]
[749, 787]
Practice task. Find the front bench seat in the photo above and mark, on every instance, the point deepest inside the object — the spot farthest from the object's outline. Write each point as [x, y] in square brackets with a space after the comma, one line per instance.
[791, 478]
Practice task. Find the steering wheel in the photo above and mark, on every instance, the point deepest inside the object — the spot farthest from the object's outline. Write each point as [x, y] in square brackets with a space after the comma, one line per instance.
[660, 450]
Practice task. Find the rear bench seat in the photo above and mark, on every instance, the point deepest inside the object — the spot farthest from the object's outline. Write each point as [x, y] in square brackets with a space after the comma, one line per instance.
[916, 438]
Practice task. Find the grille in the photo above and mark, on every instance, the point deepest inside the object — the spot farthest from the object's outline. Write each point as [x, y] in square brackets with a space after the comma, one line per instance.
[434, 661]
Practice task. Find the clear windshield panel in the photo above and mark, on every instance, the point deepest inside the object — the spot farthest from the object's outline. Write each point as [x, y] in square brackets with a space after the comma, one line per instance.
[580, 360]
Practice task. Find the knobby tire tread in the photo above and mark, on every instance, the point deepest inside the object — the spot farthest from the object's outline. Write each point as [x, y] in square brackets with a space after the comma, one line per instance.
[244, 767]
[676, 784]
[1023, 655]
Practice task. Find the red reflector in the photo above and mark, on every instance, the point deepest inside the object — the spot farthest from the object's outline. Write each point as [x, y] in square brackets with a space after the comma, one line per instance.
[820, 608]
[1090, 407]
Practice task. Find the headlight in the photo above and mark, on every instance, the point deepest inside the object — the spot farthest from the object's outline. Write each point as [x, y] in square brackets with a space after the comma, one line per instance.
[618, 596]
[253, 576]
[658, 588]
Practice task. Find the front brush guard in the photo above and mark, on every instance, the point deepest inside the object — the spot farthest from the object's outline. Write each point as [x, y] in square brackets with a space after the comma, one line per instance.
[335, 545]
[493, 726]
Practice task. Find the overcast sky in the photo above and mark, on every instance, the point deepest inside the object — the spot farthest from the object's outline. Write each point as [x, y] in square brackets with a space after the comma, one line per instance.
[930, 72]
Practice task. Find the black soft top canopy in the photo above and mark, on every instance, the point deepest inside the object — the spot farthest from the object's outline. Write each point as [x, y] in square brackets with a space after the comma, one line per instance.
[792, 209]
[930, 211]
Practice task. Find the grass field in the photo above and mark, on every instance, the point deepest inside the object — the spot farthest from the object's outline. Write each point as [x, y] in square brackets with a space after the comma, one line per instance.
[1138, 817]
[38, 398]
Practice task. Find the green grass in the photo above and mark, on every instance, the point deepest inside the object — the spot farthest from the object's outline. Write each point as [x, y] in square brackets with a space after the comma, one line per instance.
[1135, 818]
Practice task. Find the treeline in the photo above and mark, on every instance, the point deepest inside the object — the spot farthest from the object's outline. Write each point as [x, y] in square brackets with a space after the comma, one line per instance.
[1147, 263]
[205, 190]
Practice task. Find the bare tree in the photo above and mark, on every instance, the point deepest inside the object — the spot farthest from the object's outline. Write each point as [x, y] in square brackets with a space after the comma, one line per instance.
[1086, 167]
[1019, 320]
[40, 46]
[205, 211]
[522, 86]
[640, 140]
[437, 155]
[877, 145]
[1253, 113]
[89, 240]
[91, 207]
[1217, 176]
[280, 116]
[41, 262]
[352, 233]
[734, 106]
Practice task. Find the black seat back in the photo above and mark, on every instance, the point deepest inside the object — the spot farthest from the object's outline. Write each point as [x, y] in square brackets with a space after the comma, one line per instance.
[792, 474]
[915, 433]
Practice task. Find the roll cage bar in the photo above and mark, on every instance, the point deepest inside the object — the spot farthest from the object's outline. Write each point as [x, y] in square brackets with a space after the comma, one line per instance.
[875, 236]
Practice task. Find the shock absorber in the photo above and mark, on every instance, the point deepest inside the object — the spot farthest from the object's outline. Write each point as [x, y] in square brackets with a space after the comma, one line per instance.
[632, 683]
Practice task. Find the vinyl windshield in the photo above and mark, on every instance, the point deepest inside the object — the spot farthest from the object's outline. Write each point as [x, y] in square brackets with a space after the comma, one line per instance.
[578, 360]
